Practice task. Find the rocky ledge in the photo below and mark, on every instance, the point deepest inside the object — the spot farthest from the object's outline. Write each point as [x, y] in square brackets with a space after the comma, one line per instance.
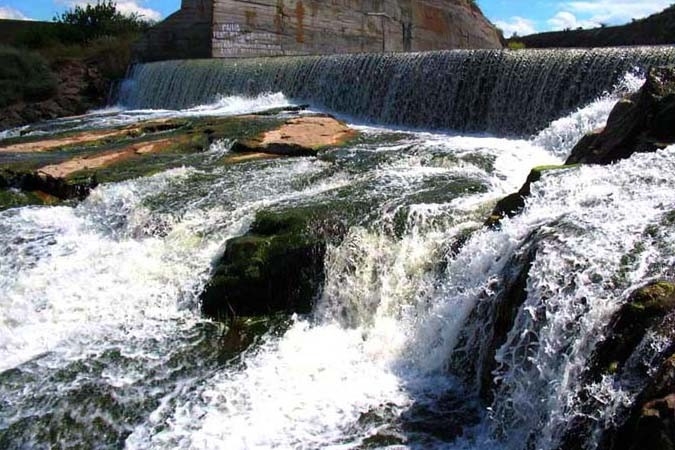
[641, 122]
[638, 351]
[80, 87]
[67, 165]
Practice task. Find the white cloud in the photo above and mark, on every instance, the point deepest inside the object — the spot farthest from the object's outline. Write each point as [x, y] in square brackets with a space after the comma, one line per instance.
[10, 13]
[566, 20]
[126, 7]
[516, 25]
[612, 12]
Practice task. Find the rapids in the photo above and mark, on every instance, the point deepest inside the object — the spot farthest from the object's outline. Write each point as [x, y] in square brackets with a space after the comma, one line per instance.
[101, 340]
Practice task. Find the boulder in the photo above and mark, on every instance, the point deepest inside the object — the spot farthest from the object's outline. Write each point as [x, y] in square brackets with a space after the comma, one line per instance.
[276, 267]
[641, 122]
[38, 182]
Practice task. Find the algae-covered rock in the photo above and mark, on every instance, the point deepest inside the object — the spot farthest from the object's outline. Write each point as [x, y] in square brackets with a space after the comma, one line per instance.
[651, 422]
[24, 188]
[629, 357]
[276, 267]
[642, 122]
[645, 308]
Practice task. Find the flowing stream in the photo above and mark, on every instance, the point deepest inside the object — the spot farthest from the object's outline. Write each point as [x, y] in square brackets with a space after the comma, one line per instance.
[102, 344]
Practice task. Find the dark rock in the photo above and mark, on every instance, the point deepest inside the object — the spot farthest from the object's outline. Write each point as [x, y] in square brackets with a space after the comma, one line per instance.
[649, 423]
[276, 267]
[641, 122]
[80, 87]
[512, 204]
[38, 182]
[645, 309]
[273, 148]
[444, 418]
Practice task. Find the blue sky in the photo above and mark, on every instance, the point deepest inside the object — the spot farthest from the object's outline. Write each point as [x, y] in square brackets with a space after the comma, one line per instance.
[512, 16]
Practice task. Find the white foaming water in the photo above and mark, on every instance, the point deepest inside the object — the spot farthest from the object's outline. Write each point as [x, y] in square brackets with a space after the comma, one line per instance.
[71, 276]
[126, 266]
[362, 351]
[118, 116]
[587, 220]
[562, 134]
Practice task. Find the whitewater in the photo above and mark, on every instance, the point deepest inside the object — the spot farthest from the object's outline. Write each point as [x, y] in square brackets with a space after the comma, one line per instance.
[102, 344]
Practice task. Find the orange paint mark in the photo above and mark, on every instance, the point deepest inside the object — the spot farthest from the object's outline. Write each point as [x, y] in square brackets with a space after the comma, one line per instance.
[300, 16]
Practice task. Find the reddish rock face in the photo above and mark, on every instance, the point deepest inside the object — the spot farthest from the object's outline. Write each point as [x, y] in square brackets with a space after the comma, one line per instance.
[80, 87]
[230, 29]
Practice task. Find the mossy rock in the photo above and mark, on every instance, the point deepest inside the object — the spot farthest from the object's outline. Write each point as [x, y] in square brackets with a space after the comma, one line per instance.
[645, 308]
[30, 188]
[650, 309]
[276, 267]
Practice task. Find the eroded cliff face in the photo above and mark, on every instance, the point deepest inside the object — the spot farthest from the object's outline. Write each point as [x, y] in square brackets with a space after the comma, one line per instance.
[316, 27]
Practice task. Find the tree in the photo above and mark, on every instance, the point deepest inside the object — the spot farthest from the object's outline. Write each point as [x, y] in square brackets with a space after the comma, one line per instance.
[102, 19]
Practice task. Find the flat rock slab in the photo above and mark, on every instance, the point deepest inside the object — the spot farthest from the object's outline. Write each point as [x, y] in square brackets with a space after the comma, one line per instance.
[301, 136]
[48, 144]
[67, 168]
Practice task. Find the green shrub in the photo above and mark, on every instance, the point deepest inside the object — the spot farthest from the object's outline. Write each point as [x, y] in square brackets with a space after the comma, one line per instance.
[85, 23]
[516, 45]
[24, 76]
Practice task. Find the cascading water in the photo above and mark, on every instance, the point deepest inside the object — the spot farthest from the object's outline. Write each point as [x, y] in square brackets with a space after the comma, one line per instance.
[503, 92]
[101, 340]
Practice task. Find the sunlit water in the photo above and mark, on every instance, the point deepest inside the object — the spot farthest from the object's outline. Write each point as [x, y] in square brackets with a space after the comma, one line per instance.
[102, 344]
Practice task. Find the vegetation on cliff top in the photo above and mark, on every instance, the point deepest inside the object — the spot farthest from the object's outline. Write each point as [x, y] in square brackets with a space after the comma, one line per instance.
[657, 29]
[70, 63]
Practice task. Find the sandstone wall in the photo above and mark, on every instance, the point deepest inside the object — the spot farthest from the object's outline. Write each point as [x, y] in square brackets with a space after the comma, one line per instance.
[252, 28]
[302, 27]
[185, 34]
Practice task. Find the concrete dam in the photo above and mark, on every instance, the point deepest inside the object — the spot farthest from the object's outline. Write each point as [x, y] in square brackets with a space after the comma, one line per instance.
[240, 29]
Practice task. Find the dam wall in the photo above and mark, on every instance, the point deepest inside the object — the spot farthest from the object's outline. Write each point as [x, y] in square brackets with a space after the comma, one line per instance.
[238, 28]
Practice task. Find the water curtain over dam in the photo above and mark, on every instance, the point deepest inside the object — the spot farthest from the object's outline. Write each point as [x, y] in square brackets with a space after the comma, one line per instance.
[493, 91]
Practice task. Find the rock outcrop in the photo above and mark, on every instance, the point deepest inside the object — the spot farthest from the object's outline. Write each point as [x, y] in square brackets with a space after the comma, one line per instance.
[234, 29]
[301, 136]
[639, 355]
[276, 267]
[80, 87]
[642, 122]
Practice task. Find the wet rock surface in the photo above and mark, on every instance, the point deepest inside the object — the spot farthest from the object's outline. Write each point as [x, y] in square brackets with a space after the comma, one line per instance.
[68, 160]
[638, 355]
[302, 136]
[641, 122]
[276, 267]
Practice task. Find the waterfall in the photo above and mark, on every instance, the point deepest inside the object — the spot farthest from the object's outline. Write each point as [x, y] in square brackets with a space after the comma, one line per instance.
[503, 92]
[431, 331]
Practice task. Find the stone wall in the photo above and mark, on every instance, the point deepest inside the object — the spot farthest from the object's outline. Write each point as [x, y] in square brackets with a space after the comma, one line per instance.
[304, 27]
[185, 34]
[245, 28]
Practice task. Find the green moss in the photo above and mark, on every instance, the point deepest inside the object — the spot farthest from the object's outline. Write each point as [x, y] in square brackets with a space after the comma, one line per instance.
[644, 310]
[278, 265]
[512, 204]
[12, 198]
[654, 299]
